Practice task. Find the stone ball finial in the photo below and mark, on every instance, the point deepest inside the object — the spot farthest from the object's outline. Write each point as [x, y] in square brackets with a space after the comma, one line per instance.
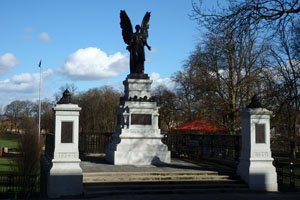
[66, 98]
[255, 103]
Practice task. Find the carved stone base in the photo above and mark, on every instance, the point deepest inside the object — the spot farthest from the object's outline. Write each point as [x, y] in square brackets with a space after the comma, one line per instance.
[65, 179]
[258, 174]
[138, 88]
[137, 140]
[142, 151]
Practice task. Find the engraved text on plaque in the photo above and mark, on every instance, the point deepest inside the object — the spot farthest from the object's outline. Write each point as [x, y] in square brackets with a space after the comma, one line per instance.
[141, 119]
[66, 132]
[260, 134]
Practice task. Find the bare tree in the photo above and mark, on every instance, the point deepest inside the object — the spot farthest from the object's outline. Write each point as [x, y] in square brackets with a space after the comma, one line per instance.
[187, 94]
[222, 74]
[28, 163]
[99, 106]
[16, 110]
[285, 60]
[169, 114]
[275, 21]
[47, 115]
[258, 14]
[296, 39]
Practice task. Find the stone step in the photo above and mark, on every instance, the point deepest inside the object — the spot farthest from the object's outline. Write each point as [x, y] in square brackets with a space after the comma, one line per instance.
[101, 177]
[93, 190]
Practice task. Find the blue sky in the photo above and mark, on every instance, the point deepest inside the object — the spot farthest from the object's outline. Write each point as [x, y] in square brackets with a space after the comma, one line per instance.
[80, 42]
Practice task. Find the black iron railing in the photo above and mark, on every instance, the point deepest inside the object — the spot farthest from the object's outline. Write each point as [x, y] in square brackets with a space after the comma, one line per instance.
[49, 145]
[202, 145]
[88, 143]
[222, 148]
[12, 185]
[94, 142]
[288, 176]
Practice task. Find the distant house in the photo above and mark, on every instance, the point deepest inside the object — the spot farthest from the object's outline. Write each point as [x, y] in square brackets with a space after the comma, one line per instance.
[200, 125]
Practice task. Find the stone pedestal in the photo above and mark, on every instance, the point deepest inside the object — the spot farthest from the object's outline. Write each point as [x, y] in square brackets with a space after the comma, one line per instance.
[137, 140]
[65, 177]
[255, 166]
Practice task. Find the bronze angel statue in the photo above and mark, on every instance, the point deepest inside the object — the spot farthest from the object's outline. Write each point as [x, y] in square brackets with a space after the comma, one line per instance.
[135, 41]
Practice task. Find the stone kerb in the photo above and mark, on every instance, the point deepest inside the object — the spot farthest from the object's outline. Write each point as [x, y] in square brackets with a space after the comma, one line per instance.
[255, 166]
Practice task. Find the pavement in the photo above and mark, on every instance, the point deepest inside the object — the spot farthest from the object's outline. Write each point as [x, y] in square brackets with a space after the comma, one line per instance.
[209, 196]
[218, 196]
[98, 164]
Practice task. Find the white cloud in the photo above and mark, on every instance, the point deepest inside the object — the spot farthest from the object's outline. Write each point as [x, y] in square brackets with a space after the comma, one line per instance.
[154, 51]
[7, 61]
[44, 37]
[157, 81]
[23, 83]
[47, 73]
[93, 64]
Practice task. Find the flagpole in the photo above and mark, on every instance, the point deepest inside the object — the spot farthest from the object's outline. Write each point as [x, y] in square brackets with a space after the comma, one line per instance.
[40, 102]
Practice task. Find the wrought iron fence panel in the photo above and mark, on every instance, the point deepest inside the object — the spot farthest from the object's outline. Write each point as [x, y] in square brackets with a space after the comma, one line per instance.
[221, 147]
[50, 145]
[18, 185]
[94, 142]
[288, 176]
[196, 145]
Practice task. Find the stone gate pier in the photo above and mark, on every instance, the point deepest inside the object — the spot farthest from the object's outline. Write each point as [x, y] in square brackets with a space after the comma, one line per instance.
[137, 140]
[62, 172]
[255, 166]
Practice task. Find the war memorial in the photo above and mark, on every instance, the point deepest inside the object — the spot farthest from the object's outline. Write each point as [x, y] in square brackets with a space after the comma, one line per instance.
[137, 153]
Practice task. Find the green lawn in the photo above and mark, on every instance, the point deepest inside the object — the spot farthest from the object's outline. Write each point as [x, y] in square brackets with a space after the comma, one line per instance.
[9, 140]
[6, 165]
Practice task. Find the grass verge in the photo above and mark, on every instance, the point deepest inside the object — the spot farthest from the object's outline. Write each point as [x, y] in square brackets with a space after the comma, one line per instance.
[7, 165]
[9, 140]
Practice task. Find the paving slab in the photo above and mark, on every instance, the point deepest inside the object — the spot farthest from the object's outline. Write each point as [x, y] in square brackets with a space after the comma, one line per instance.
[214, 196]
[97, 163]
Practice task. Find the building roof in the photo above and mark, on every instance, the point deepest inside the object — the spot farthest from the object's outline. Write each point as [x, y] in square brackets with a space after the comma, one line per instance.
[200, 125]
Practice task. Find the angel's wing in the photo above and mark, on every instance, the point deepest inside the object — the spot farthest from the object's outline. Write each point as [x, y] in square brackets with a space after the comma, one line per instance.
[126, 27]
[145, 25]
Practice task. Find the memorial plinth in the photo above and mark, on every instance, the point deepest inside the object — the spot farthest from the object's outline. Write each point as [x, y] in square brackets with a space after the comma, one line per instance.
[65, 176]
[137, 140]
[255, 166]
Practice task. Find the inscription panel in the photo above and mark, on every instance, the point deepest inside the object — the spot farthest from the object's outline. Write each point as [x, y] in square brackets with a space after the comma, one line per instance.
[260, 134]
[66, 132]
[66, 155]
[141, 119]
[261, 154]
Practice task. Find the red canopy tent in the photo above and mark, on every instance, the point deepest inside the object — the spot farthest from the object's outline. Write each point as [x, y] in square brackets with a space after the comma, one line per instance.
[200, 125]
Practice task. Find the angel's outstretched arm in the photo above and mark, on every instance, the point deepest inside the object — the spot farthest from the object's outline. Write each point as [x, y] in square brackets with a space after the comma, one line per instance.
[147, 45]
